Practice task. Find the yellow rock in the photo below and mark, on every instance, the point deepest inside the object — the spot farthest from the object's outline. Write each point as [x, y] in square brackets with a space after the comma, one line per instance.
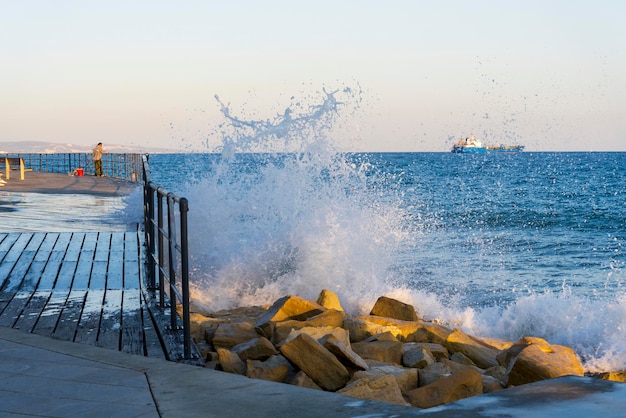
[329, 300]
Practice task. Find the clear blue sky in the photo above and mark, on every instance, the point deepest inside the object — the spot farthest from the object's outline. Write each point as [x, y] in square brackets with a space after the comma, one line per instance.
[549, 74]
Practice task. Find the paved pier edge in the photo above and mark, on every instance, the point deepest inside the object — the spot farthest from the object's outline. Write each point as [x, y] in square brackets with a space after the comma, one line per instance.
[181, 390]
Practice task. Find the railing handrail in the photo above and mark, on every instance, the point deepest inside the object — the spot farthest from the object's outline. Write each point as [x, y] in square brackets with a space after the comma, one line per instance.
[126, 166]
[165, 262]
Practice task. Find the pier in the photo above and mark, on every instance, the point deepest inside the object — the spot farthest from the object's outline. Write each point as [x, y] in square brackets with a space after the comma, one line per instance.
[68, 274]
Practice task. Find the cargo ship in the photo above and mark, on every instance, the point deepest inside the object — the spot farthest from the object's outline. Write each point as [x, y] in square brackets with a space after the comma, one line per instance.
[473, 146]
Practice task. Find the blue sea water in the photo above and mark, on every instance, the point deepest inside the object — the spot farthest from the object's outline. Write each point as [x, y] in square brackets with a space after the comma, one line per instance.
[502, 246]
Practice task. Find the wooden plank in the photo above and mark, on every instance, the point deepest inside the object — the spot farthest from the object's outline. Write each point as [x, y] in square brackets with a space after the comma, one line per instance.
[89, 323]
[73, 249]
[18, 246]
[117, 241]
[33, 276]
[11, 258]
[35, 241]
[20, 269]
[109, 334]
[103, 247]
[82, 273]
[131, 274]
[131, 246]
[131, 261]
[132, 327]
[68, 320]
[115, 273]
[16, 277]
[55, 259]
[28, 307]
[85, 261]
[7, 243]
[51, 270]
[62, 242]
[31, 312]
[15, 265]
[43, 253]
[152, 341]
[14, 309]
[89, 244]
[66, 274]
[52, 311]
[98, 279]
[172, 346]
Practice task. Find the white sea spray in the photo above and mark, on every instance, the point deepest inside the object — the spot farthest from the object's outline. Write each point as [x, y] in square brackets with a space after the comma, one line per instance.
[283, 210]
[295, 217]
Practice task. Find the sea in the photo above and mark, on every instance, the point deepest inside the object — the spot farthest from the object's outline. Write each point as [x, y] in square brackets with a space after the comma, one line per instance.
[498, 245]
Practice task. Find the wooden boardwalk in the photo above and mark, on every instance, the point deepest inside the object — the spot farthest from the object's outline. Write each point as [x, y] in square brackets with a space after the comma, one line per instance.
[83, 287]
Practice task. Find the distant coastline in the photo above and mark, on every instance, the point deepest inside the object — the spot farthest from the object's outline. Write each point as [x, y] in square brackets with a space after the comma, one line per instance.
[42, 147]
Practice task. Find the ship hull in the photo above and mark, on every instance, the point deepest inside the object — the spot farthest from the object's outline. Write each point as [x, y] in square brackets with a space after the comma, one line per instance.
[457, 149]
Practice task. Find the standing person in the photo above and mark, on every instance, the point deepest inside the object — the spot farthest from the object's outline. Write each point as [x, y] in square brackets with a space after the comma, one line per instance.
[97, 158]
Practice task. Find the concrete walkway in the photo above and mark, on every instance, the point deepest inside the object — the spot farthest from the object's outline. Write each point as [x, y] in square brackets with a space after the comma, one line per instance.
[40, 376]
[44, 377]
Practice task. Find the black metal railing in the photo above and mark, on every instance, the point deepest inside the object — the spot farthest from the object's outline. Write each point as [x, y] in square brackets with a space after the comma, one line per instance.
[127, 166]
[167, 261]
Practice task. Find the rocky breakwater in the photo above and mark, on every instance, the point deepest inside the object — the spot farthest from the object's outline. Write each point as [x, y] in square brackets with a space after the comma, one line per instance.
[390, 355]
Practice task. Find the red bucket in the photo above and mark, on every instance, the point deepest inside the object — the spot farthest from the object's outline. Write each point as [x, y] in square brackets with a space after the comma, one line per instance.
[80, 172]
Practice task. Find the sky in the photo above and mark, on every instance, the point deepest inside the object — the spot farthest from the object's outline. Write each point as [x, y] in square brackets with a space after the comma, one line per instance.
[548, 74]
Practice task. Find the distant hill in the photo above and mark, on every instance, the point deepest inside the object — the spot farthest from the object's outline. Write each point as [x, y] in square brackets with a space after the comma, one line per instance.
[41, 147]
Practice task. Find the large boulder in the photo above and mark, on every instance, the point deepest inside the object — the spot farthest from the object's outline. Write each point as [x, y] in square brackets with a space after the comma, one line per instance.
[361, 329]
[228, 335]
[316, 361]
[405, 377]
[438, 351]
[457, 367]
[275, 369]
[383, 336]
[329, 318]
[417, 357]
[344, 354]
[538, 360]
[319, 333]
[255, 349]
[432, 373]
[383, 388]
[198, 323]
[483, 355]
[392, 308]
[404, 328]
[447, 389]
[301, 379]
[230, 362]
[491, 384]
[287, 308]
[462, 359]
[384, 351]
[329, 300]
[428, 332]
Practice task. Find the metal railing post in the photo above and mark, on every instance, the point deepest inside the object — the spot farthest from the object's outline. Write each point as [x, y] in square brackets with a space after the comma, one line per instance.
[161, 254]
[171, 256]
[149, 230]
[184, 259]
